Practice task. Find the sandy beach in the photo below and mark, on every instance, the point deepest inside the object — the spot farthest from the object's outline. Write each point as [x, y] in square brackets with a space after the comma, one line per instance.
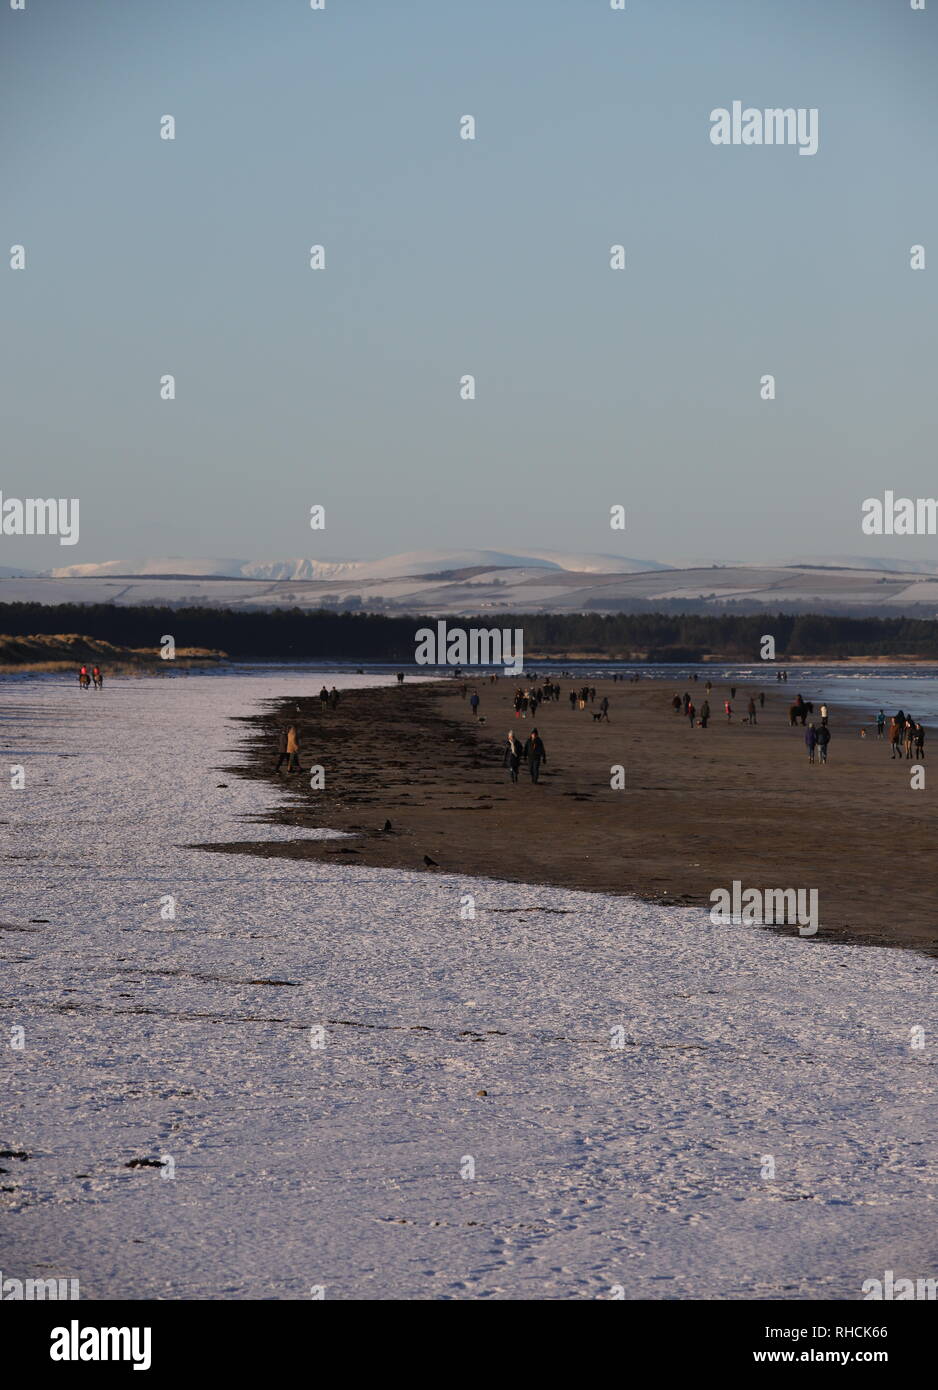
[700, 807]
[316, 1074]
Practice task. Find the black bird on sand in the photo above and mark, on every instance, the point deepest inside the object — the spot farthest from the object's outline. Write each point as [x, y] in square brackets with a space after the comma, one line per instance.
[387, 825]
[430, 863]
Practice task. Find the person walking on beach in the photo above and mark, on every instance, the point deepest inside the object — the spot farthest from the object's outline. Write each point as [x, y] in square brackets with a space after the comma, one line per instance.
[293, 749]
[823, 713]
[823, 739]
[513, 755]
[895, 734]
[691, 713]
[729, 711]
[909, 735]
[282, 754]
[810, 739]
[752, 710]
[536, 753]
[323, 698]
[604, 709]
[761, 699]
[676, 704]
[400, 677]
[732, 692]
[880, 724]
[333, 697]
[920, 742]
[704, 713]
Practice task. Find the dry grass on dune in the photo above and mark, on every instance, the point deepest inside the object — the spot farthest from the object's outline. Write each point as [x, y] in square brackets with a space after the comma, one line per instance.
[61, 651]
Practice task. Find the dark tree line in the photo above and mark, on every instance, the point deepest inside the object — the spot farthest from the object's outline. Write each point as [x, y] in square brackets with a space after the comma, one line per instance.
[294, 635]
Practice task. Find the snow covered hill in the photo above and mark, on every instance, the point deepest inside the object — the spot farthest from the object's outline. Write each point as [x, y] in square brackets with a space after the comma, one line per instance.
[415, 562]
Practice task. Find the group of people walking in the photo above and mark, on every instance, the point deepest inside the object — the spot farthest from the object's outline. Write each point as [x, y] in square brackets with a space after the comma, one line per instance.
[529, 699]
[532, 751]
[585, 697]
[816, 740]
[684, 705]
[905, 733]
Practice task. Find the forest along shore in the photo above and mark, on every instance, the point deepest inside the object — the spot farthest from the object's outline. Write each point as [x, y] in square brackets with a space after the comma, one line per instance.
[700, 807]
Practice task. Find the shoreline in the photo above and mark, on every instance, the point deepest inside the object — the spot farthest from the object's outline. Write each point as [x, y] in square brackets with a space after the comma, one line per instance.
[700, 808]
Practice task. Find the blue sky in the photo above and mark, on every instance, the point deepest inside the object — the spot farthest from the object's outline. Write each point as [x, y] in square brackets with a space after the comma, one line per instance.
[446, 257]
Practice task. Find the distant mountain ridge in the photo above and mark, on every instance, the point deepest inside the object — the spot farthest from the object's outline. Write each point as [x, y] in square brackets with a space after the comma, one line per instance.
[416, 562]
[420, 563]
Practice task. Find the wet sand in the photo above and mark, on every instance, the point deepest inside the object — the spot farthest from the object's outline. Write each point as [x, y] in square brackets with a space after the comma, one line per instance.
[700, 807]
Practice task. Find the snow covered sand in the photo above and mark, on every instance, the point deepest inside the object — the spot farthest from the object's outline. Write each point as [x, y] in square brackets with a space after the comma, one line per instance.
[342, 1166]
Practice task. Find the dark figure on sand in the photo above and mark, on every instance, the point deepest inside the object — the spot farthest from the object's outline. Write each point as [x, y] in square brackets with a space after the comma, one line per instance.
[823, 739]
[513, 755]
[810, 739]
[704, 713]
[799, 710]
[895, 735]
[536, 753]
[282, 754]
[289, 748]
[909, 735]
